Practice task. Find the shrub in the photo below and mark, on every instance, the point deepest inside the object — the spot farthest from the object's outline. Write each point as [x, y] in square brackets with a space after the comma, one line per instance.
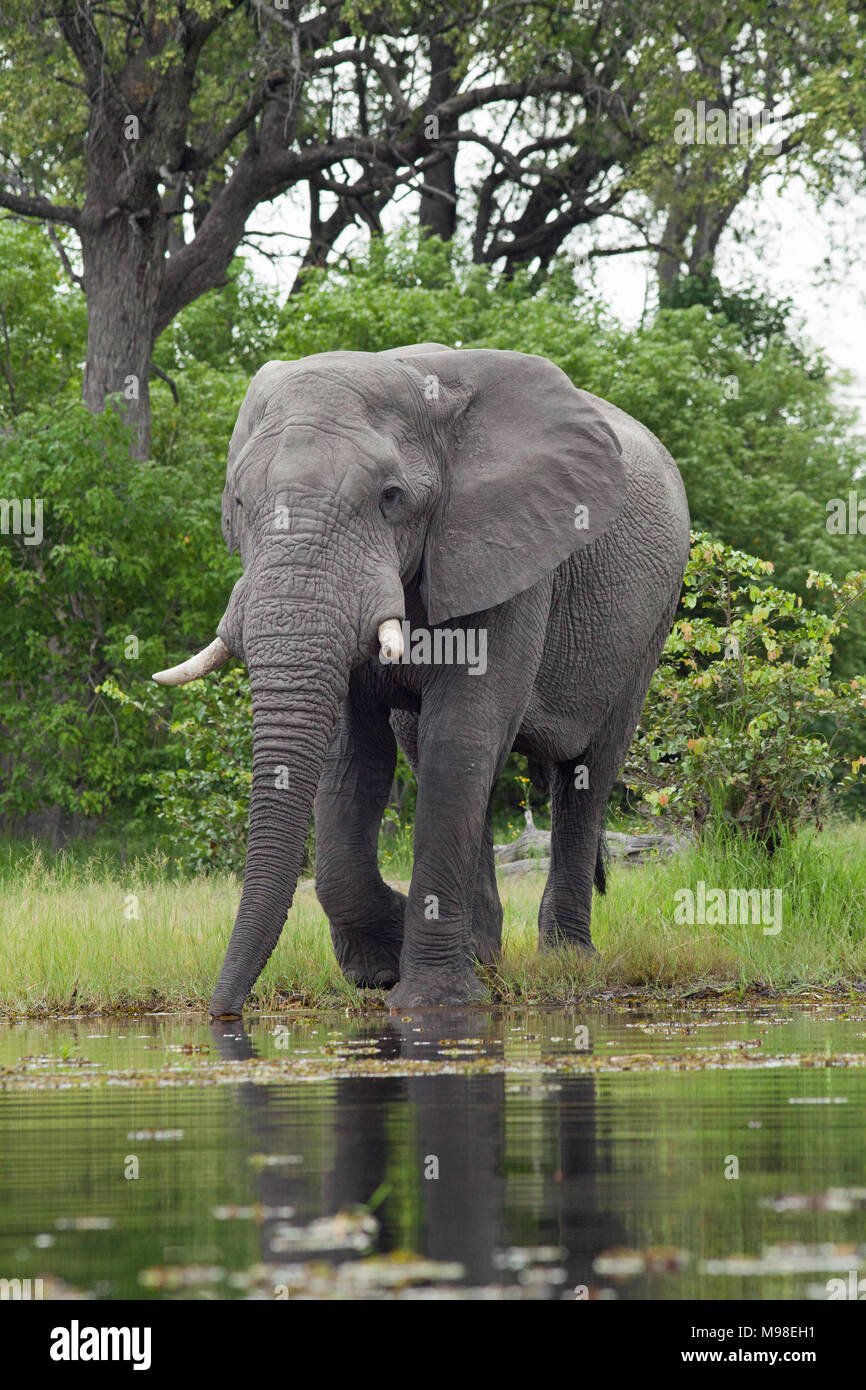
[202, 802]
[743, 722]
[130, 571]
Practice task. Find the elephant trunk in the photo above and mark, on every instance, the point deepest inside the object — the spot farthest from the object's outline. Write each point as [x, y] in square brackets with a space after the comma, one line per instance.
[298, 680]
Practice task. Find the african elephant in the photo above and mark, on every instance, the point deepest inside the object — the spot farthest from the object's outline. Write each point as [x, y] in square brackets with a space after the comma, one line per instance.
[461, 545]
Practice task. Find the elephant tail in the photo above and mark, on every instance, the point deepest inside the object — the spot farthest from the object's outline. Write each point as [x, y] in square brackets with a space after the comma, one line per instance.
[601, 858]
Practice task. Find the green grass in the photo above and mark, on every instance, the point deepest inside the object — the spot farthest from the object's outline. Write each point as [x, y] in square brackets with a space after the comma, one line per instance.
[71, 939]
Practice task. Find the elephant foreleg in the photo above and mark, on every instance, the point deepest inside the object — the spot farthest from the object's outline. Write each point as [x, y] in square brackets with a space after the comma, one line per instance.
[486, 906]
[365, 914]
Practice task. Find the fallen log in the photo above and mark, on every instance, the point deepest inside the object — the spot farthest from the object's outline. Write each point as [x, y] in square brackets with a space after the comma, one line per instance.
[636, 849]
[524, 866]
[533, 845]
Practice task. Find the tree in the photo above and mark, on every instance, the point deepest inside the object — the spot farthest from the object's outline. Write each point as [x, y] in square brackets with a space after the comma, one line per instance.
[171, 115]
[157, 129]
[774, 91]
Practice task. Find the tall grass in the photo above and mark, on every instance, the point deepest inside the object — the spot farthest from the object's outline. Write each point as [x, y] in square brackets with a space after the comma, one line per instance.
[822, 941]
[90, 934]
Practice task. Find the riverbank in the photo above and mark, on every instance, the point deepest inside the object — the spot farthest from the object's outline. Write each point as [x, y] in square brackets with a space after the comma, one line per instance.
[88, 937]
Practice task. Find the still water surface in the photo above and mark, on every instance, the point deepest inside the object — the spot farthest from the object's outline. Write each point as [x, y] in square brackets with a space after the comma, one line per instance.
[716, 1154]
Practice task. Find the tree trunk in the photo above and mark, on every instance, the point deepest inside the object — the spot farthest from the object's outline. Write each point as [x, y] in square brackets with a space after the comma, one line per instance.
[123, 271]
[670, 261]
[438, 211]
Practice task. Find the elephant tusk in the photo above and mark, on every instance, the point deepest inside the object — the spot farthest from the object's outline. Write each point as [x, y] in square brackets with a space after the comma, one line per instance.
[391, 640]
[214, 656]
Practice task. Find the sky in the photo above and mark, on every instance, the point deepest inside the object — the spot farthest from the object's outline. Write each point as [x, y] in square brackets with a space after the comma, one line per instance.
[799, 253]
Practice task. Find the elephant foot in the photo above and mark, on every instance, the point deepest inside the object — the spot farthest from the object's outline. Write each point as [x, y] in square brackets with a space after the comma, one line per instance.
[369, 960]
[369, 954]
[487, 949]
[581, 945]
[370, 972]
[433, 988]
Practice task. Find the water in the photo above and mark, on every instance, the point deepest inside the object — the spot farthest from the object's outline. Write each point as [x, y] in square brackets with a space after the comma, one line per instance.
[713, 1154]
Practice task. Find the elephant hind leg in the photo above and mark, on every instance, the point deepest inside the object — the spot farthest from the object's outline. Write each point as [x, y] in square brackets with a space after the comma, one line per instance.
[486, 904]
[365, 913]
[578, 801]
[575, 814]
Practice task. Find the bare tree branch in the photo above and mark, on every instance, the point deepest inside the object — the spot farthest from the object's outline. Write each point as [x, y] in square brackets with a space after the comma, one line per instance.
[31, 205]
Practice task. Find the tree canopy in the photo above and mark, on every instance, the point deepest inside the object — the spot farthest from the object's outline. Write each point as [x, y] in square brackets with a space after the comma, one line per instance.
[145, 136]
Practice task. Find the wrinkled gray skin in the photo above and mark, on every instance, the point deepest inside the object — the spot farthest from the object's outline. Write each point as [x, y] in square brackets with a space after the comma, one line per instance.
[433, 484]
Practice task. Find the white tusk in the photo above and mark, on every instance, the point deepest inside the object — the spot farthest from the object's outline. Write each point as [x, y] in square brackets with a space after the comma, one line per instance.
[214, 656]
[391, 640]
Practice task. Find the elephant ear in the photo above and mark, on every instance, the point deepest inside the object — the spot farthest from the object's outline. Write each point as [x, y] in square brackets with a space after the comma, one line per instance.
[259, 392]
[533, 472]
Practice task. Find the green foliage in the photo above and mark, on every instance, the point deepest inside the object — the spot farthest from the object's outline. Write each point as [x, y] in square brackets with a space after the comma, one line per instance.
[134, 549]
[230, 328]
[131, 570]
[402, 289]
[743, 720]
[43, 323]
[760, 321]
[203, 802]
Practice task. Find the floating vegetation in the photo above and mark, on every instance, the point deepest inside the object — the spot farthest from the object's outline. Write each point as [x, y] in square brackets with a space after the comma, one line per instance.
[255, 1212]
[275, 1160]
[31, 1075]
[792, 1258]
[817, 1100]
[518, 1257]
[143, 1135]
[167, 1278]
[844, 1199]
[624, 1263]
[401, 1275]
[53, 1289]
[348, 1230]
[84, 1223]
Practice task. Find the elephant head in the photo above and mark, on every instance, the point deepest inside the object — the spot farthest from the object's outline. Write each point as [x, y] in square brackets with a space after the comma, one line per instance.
[350, 475]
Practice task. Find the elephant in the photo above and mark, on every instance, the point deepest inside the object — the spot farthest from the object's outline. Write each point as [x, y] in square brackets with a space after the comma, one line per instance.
[460, 549]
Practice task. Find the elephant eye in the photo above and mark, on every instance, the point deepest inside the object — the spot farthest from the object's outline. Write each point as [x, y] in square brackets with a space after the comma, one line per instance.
[239, 502]
[390, 496]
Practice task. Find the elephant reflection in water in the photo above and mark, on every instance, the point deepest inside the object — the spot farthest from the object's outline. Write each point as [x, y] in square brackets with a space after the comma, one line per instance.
[468, 1170]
